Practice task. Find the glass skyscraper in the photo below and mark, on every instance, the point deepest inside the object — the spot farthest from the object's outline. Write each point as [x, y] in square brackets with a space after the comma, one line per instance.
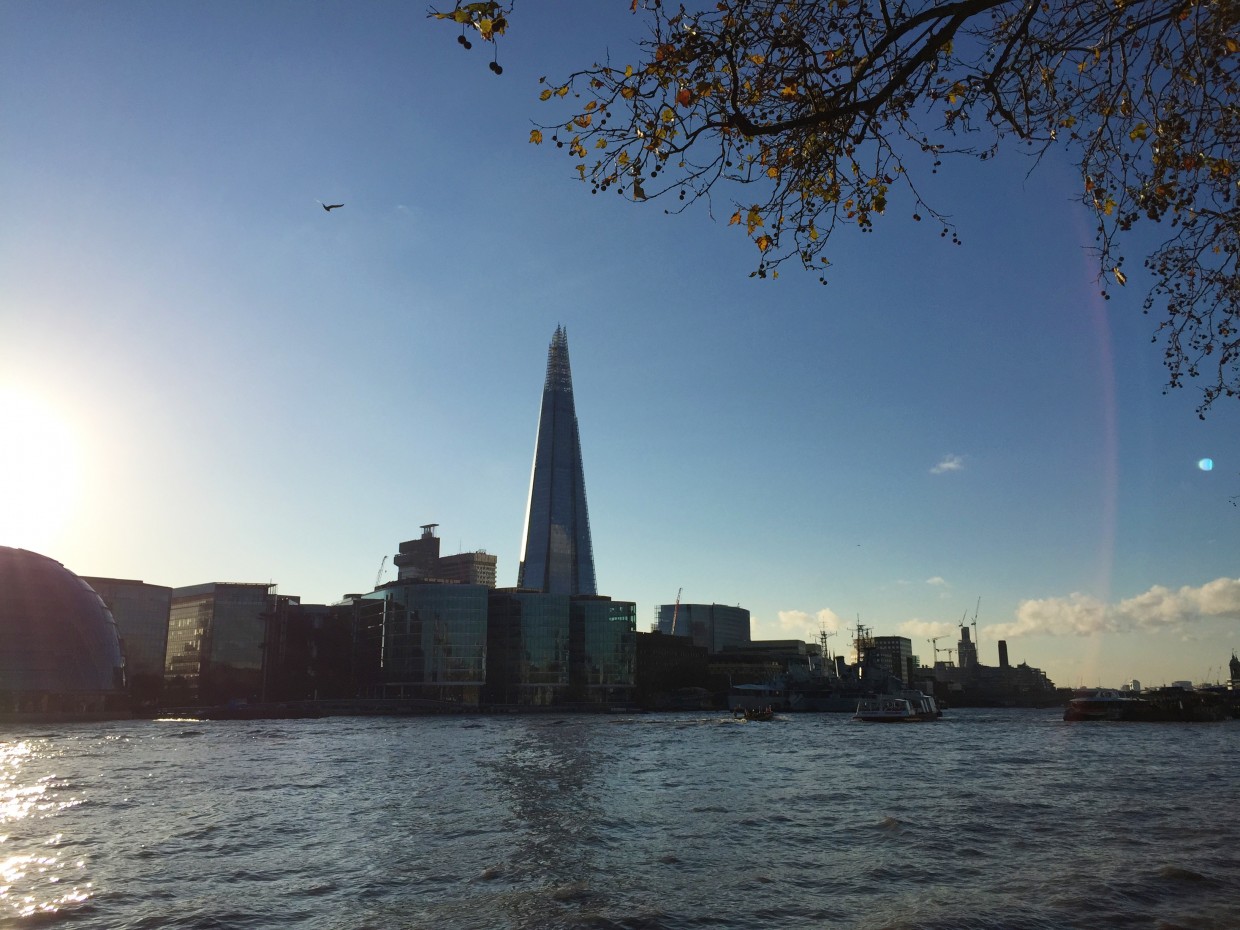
[557, 556]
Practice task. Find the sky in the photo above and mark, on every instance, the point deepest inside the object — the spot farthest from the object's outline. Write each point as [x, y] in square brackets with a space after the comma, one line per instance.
[206, 377]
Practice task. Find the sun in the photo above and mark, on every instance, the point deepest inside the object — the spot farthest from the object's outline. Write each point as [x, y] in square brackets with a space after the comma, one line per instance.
[38, 471]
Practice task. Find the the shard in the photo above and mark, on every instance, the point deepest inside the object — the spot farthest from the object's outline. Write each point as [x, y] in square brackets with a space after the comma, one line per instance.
[557, 556]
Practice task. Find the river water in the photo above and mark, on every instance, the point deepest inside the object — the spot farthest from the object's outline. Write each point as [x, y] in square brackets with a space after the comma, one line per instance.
[984, 820]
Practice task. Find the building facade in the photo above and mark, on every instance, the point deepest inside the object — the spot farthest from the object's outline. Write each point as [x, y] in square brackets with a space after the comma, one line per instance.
[557, 555]
[528, 639]
[216, 635]
[430, 639]
[419, 560]
[141, 614]
[715, 627]
[895, 654]
[603, 650]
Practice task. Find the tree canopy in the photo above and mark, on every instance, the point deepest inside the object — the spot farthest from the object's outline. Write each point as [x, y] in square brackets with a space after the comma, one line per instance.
[807, 116]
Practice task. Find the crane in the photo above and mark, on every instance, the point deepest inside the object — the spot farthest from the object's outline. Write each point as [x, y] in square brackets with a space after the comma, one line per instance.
[676, 610]
[379, 576]
[934, 644]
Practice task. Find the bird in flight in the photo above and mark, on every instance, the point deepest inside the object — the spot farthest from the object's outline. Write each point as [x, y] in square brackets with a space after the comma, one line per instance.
[329, 207]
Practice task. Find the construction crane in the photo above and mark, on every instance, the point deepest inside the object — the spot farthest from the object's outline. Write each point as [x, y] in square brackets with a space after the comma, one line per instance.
[934, 644]
[676, 610]
[379, 576]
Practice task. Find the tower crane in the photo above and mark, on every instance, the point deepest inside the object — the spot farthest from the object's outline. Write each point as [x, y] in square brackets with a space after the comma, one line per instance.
[379, 576]
[934, 644]
[676, 610]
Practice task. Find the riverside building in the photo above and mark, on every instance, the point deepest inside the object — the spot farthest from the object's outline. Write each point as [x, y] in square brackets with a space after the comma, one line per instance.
[216, 635]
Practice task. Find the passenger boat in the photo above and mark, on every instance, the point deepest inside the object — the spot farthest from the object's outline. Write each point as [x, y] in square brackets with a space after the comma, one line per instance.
[905, 707]
[753, 713]
[1104, 704]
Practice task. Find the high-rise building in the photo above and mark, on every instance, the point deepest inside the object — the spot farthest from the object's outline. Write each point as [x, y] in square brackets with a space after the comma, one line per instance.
[557, 556]
[419, 560]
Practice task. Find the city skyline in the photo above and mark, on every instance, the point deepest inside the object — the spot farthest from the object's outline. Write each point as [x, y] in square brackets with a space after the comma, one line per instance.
[212, 379]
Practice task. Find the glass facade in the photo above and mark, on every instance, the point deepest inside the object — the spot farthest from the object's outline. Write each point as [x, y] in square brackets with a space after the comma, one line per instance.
[215, 642]
[433, 640]
[141, 613]
[557, 556]
[604, 648]
[60, 655]
[528, 648]
[714, 627]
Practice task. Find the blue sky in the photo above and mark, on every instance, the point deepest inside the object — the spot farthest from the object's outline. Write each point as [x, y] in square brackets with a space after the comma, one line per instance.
[215, 380]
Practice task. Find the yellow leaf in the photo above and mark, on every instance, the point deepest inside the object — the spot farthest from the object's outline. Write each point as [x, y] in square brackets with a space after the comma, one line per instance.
[545, 95]
[562, 92]
[813, 234]
[628, 71]
[591, 105]
[1119, 275]
[764, 243]
[622, 159]
[757, 59]
[536, 136]
[668, 115]
[628, 93]
[736, 218]
[1139, 131]
[583, 120]
[772, 172]
[1232, 46]
[581, 170]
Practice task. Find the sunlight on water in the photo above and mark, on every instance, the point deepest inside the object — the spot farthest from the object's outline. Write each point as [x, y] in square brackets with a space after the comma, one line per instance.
[33, 883]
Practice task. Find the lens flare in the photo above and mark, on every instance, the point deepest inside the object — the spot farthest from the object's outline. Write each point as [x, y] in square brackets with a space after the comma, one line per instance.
[1206, 464]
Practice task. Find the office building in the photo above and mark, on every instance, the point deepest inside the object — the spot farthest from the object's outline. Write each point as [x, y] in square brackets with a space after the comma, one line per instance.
[556, 555]
[141, 614]
[430, 640]
[419, 560]
[528, 639]
[714, 627]
[603, 649]
[216, 634]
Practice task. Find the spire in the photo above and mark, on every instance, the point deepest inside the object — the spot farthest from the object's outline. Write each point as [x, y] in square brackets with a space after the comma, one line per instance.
[557, 555]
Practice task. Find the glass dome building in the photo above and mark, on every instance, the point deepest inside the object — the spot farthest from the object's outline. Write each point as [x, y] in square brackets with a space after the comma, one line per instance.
[60, 654]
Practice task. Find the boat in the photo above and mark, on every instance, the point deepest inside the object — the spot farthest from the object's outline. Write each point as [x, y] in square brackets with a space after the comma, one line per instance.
[904, 707]
[1104, 704]
[754, 713]
[1159, 705]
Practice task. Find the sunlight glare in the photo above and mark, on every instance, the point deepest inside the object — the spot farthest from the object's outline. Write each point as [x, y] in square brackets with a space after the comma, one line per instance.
[38, 471]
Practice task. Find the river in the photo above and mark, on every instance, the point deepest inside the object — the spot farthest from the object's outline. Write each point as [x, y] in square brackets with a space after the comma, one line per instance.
[983, 820]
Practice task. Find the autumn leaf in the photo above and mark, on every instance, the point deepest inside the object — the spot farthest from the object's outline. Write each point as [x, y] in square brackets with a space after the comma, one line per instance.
[684, 97]
[1119, 275]
[764, 242]
[736, 218]
[536, 136]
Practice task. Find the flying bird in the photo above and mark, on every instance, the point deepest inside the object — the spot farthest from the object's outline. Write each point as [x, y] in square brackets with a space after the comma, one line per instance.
[329, 207]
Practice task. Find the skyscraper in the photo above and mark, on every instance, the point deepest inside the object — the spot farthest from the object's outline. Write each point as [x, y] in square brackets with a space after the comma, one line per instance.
[557, 556]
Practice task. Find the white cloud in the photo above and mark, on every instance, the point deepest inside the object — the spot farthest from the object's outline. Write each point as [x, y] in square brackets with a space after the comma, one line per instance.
[918, 630]
[1157, 609]
[937, 581]
[800, 624]
[949, 463]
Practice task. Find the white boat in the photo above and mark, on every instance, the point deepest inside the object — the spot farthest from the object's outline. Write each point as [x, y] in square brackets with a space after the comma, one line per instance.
[905, 707]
